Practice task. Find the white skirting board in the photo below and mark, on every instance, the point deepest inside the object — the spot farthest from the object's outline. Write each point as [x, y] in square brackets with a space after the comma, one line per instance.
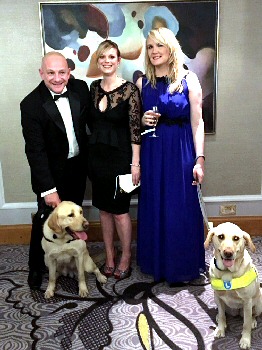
[20, 213]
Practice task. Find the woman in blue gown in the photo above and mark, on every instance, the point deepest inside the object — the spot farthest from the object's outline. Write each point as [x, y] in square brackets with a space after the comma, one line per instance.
[170, 242]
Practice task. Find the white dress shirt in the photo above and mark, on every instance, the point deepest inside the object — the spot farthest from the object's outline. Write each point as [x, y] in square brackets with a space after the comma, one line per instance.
[65, 111]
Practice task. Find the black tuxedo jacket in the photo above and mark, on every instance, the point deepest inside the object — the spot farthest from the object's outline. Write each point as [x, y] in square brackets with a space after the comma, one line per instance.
[46, 143]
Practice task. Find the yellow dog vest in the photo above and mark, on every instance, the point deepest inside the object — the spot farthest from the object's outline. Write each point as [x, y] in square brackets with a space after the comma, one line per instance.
[235, 283]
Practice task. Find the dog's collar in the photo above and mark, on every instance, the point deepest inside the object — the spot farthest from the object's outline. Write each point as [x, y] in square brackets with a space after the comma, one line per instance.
[236, 283]
[54, 236]
[215, 262]
[48, 240]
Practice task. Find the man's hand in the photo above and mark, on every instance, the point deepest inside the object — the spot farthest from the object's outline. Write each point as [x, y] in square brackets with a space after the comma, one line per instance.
[52, 199]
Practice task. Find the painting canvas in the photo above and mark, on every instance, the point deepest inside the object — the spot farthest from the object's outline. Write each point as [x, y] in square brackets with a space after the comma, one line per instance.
[76, 28]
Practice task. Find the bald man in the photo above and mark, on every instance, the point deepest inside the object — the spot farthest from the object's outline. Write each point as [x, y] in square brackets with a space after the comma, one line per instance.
[54, 117]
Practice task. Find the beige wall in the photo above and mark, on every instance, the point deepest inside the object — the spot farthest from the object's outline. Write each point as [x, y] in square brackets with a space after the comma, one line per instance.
[234, 157]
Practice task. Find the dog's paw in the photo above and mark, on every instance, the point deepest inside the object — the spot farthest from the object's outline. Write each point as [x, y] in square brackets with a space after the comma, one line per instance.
[245, 342]
[101, 278]
[219, 333]
[83, 292]
[49, 293]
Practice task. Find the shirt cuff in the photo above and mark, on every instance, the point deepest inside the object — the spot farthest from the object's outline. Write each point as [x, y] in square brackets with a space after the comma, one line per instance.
[43, 194]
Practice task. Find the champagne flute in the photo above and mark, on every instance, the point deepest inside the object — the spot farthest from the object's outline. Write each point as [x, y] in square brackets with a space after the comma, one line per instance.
[155, 110]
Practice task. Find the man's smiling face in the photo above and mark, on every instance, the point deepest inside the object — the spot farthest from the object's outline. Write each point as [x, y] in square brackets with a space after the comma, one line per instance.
[55, 72]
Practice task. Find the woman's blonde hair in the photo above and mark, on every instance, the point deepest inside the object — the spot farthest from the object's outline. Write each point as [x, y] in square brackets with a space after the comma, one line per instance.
[106, 45]
[176, 58]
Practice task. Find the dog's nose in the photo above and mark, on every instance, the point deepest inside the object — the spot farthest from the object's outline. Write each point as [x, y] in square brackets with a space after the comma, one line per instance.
[85, 224]
[228, 253]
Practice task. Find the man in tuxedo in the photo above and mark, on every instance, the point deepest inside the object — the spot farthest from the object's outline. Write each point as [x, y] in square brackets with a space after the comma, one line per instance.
[54, 117]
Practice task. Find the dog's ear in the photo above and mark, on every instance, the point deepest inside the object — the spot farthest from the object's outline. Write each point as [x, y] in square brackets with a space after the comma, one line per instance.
[53, 222]
[249, 242]
[209, 238]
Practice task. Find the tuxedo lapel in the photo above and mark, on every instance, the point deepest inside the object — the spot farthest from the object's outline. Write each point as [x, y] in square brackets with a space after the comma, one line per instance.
[54, 113]
[50, 107]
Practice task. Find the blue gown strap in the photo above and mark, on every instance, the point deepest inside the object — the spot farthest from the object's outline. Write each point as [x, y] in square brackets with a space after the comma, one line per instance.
[184, 83]
[144, 80]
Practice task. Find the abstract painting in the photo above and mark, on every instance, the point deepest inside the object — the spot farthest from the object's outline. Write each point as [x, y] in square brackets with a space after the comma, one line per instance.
[75, 29]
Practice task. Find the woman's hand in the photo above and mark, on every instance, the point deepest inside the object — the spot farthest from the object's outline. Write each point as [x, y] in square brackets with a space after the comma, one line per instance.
[150, 118]
[135, 170]
[198, 173]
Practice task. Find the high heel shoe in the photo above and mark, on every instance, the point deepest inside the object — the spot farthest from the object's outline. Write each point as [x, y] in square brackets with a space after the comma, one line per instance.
[108, 271]
[121, 274]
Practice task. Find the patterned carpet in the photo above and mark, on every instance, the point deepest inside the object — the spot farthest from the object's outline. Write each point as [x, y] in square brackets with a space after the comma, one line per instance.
[135, 313]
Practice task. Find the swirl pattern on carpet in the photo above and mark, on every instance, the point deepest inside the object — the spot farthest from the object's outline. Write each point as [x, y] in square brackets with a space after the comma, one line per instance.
[135, 313]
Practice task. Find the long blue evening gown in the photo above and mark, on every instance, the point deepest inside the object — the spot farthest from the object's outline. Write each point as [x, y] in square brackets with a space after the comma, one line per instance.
[170, 242]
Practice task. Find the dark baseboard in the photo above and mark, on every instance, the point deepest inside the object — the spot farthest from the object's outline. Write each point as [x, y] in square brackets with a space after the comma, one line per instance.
[20, 234]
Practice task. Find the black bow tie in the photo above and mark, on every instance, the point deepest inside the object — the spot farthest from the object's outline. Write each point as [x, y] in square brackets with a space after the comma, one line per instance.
[56, 97]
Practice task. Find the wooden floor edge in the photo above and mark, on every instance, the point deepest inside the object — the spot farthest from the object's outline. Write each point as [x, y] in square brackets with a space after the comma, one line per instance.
[250, 224]
[20, 234]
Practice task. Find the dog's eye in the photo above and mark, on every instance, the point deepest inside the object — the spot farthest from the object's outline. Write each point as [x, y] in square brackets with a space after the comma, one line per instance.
[71, 215]
[81, 212]
[235, 238]
[221, 237]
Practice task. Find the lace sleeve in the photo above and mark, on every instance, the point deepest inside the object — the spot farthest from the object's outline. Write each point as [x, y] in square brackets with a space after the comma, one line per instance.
[135, 110]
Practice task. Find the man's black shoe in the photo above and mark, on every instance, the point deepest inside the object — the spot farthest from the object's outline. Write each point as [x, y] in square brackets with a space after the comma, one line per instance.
[34, 279]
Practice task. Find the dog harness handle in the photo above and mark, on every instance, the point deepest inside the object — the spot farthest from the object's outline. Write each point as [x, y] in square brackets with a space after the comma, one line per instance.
[236, 283]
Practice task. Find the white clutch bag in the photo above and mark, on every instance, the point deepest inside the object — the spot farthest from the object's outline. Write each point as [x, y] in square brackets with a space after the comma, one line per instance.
[124, 184]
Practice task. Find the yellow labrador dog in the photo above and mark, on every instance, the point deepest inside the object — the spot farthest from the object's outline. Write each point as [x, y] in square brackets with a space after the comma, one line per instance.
[234, 278]
[64, 244]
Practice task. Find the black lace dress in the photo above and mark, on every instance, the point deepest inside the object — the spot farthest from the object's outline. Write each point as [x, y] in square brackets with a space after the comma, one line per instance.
[110, 151]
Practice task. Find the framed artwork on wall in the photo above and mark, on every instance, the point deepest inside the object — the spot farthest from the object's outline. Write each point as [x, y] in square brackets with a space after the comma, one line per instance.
[76, 28]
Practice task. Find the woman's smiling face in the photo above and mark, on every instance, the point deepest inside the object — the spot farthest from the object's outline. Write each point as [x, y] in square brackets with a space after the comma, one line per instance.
[157, 52]
[108, 61]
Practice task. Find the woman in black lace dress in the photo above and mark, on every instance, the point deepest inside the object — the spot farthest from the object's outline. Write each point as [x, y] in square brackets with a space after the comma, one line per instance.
[114, 150]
